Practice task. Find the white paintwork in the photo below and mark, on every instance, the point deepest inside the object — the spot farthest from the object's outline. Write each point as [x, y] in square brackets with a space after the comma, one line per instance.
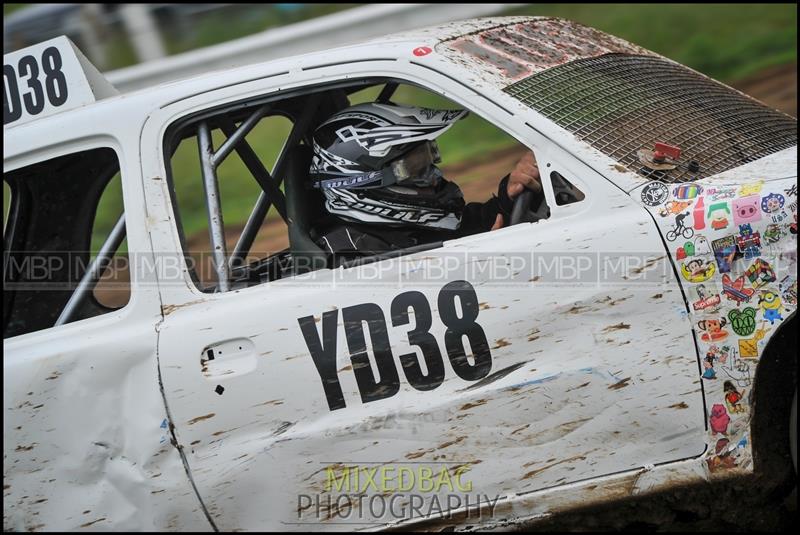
[562, 428]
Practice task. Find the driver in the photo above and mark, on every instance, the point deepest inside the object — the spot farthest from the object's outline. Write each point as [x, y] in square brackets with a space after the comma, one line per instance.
[375, 165]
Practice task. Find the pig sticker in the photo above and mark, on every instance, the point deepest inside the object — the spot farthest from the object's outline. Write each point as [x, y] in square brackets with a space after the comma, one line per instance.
[747, 210]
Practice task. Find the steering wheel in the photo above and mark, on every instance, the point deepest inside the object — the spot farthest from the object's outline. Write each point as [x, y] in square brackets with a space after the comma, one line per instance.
[522, 213]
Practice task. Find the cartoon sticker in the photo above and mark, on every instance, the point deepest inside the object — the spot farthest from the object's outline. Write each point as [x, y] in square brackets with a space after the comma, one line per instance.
[698, 270]
[771, 306]
[714, 353]
[719, 419]
[748, 242]
[743, 322]
[713, 329]
[733, 398]
[654, 193]
[673, 208]
[718, 213]
[772, 203]
[745, 210]
[774, 233]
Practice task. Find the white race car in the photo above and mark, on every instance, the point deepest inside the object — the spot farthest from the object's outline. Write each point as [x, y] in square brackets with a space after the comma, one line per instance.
[633, 333]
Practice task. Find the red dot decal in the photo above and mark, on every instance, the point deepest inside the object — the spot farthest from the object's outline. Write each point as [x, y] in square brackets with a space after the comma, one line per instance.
[422, 51]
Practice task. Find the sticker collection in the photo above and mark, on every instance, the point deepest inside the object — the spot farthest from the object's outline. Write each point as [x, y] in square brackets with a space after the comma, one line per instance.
[735, 248]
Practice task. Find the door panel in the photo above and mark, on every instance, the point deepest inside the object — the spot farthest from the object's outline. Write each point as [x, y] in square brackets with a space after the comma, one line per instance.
[588, 374]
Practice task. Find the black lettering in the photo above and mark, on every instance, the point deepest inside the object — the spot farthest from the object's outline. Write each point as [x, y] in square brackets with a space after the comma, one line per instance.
[421, 337]
[458, 327]
[55, 82]
[388, 383]
[12, 107]
[324, 355]
[34, 99]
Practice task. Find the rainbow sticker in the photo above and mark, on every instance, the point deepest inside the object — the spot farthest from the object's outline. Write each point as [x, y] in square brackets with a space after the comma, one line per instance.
[687, 191]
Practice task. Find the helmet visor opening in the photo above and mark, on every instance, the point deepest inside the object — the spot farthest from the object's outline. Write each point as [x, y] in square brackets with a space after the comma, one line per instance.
[416, 167]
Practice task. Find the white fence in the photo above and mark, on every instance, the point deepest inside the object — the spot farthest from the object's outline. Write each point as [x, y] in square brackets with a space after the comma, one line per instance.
[352, 25]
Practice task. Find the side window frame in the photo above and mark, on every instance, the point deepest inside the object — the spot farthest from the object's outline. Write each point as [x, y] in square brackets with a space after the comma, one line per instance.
[253, 92]
[97, 266]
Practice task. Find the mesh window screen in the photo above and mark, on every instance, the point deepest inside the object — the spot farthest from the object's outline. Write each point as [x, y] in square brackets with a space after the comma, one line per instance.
[620, 104]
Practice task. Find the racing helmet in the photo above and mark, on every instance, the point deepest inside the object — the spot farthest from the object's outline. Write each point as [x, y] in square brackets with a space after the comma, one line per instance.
[376, 163]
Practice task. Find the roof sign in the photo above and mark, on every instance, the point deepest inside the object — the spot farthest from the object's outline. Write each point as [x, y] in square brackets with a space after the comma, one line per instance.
[49, 78]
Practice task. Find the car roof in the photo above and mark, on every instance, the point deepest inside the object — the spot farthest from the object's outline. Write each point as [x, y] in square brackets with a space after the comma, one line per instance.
[393, 46]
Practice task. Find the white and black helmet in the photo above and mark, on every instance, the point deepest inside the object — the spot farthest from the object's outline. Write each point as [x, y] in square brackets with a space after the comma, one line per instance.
[375, 163]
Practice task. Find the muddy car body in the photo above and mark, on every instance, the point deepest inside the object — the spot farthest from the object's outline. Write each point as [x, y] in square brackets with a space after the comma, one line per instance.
[613, 349]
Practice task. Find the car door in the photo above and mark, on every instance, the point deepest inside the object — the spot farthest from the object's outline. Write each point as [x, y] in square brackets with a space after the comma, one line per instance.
[85, 435]
[505, 363]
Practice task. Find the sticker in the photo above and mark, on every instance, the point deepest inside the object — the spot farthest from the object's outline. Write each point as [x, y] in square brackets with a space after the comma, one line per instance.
[422, 51]
[698, 270]
[774, 233]
[704, 299]
[725, 252]
[748, 347]
[718, 213]
[719, 419]
[735, 290]
[772, 203]
[714, 353]
[771, 306]
[748, 242]
[751, 189]
[674, 208]
[698, 247]
[687, 191]
[713, 329]
[792, 191]
[654, 193]
[679, 228]
[745, 210]
[737, 370]
[720, 194]
[789, 290]
[760, 274]
[733, 398]
[743, 322]
[699, 220]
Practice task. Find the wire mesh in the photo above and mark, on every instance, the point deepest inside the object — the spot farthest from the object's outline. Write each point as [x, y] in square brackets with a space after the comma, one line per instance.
[620, 104]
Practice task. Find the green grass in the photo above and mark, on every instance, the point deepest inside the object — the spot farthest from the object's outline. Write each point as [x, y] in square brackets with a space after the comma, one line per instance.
[724, 41]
